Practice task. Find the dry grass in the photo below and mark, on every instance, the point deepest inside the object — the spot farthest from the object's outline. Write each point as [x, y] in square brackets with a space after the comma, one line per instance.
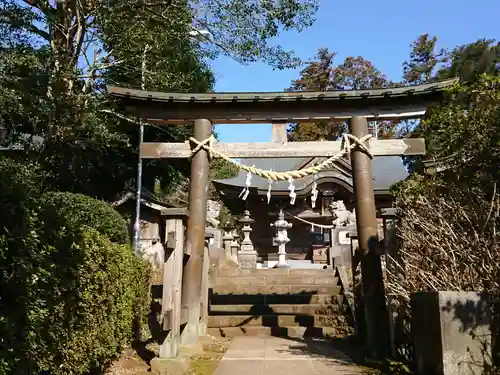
[129, 363]
[447, 244]
[206, 362]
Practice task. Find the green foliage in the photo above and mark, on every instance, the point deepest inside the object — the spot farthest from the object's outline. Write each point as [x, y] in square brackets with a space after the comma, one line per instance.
[52, 75]
[74, 301]
[425, 64]
[221, 169]
[465, 131]
[69, 211]
[467, 62]
[226, 218]
[69, 293]
[423, 61]
[53, 89]
[245, 29]
[471, 60]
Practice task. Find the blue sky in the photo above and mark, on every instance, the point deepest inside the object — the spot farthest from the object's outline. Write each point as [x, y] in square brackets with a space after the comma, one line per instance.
[380, 31]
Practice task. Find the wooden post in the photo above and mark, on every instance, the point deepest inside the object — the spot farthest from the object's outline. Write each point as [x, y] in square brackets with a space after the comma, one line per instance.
[394, 267]
[172, 282]
[204, 287]
[366, 223]
[191, 281]
[279, 133]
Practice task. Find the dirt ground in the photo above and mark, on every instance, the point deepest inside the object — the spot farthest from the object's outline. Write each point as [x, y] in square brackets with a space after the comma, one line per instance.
[135, 361]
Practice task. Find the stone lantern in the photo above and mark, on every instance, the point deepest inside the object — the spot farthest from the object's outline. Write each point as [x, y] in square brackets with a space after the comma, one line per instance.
[281, 239]
[227, 239]
[247, 256]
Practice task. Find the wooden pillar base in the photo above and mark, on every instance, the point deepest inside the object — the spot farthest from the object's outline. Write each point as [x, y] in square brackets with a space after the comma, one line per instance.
[191, 331]
[170, 348]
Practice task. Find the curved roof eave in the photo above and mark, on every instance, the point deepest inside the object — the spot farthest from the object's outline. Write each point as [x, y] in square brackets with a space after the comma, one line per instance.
[235, 97]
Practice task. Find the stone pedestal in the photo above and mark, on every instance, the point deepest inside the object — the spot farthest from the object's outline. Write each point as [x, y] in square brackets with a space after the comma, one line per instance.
[341, 250]
[247, 256]
[281, 239]
[319, 254]
[227, 239]
[235, 247]
[452, 334]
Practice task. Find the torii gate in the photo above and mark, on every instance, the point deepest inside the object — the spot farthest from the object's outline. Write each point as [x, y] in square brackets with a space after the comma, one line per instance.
[354, 106]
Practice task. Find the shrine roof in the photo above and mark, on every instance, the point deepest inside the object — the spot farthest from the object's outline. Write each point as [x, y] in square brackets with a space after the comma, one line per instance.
[387, 170]
[231, 97]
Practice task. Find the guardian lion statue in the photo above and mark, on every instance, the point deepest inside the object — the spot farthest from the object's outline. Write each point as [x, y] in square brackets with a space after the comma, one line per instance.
[341, 215]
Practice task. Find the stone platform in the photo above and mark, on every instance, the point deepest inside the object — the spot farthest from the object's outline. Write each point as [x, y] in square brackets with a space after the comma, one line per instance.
[281, 356]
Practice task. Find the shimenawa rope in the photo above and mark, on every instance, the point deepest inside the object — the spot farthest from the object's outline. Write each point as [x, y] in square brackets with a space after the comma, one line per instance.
[310, 222]
[349, 143]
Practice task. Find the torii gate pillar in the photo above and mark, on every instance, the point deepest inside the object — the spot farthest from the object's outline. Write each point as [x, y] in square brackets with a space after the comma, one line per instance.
[375, 311]
[192, 274]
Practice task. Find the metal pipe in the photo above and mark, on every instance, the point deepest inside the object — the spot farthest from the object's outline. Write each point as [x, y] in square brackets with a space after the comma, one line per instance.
[366, 222]
[192, 274]
[137, 223]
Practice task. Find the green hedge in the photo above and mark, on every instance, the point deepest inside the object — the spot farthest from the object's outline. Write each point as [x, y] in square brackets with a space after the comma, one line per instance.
[70, 211]
[71, 286]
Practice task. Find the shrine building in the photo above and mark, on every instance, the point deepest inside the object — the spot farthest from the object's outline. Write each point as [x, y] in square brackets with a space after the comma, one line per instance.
[332, 185]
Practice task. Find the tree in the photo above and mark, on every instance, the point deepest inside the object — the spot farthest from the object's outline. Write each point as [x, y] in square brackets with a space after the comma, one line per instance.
[467, 61]
[320, 75]
[471, 60]
[424, 61]
[56, 58]
[465, 132]
[427, 64]
[245, 29]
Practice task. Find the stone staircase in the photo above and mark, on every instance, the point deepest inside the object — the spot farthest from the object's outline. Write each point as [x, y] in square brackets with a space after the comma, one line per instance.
[276, 302]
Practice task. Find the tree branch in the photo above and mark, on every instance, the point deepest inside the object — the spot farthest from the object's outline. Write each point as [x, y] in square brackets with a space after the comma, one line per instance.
[81, 29]
[43, 6]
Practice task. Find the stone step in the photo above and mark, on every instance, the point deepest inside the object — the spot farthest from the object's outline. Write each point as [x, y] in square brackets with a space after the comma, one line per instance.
[221, 321]
[270, 289]
[293, 332]
[315, 309]
[236, 272]
[271, 280]
[266, 299]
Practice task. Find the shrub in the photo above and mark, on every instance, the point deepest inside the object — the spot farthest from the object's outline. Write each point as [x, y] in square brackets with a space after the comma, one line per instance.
[448, 242]
[71, 286]
[69, 211]
[20, 185]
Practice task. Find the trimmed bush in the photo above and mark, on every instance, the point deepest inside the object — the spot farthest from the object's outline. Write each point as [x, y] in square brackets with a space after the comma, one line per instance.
[71, 286]
[69, 211]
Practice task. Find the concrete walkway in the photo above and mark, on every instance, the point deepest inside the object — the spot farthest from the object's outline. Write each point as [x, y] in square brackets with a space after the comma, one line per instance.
[278, 356]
